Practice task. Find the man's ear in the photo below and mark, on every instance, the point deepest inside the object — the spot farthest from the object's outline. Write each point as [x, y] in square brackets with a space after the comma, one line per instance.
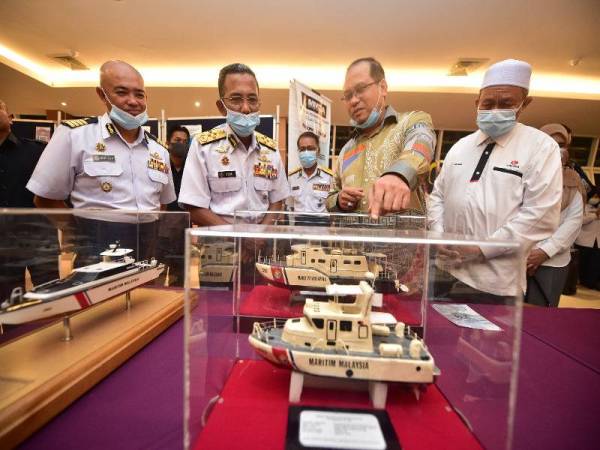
[384, 88]
[221, 107]
[102, 97]
[11, 117]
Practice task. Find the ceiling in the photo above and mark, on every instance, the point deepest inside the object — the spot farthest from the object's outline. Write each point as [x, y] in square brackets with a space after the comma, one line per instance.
[184, 43]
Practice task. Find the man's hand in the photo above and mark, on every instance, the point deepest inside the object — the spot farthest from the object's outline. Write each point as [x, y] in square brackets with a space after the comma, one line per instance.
[458, 254]
[388, 194]
[349, 197]
[535, 259]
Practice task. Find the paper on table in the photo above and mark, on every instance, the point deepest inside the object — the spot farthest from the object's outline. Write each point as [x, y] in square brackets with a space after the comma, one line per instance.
[465, 316]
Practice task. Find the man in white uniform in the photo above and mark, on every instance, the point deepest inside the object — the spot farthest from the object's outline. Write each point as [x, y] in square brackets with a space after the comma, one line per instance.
[106, 162]
[232, 167]
[501, 182]
[310, 183]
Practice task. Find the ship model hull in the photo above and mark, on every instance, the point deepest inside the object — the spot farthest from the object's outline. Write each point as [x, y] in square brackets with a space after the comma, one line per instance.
[36, 309]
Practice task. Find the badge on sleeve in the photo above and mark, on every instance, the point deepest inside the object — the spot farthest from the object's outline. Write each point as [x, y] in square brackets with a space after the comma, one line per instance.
[106, 186]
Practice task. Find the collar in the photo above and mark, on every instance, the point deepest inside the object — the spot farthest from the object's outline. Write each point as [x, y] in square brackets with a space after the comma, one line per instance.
[389, 116]
[108, 130]
[235, 141]
[316, 173]
[502, 141]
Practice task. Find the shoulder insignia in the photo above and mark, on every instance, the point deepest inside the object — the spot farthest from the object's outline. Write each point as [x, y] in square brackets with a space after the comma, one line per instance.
[154, 138]
[326, 170]
[206, 137]
[266, 141]
[296, 170]
[76, 123]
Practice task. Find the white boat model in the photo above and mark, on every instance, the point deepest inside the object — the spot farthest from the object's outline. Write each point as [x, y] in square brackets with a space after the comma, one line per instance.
[86, 286]
[217, 263]
[313, 266]
[341, 340]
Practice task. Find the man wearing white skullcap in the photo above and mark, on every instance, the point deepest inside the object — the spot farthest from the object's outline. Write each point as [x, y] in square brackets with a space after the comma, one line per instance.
[504, 181]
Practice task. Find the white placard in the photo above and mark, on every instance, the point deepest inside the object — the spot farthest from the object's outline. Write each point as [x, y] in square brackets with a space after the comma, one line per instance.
[358, 431]
[43, 133]
[465, 316]
[308, 111]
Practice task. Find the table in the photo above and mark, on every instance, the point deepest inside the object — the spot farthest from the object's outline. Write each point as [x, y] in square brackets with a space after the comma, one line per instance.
[140, 405]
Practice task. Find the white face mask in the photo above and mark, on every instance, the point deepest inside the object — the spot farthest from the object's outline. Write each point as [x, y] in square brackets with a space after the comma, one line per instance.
[496, 122]
[124, 119]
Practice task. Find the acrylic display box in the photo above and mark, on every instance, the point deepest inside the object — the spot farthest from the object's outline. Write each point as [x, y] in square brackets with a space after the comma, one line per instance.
[80, 292]
[363, 303]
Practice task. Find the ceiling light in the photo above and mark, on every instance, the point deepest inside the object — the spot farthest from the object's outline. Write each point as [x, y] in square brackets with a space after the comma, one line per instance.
[197, 104]
[63, 103]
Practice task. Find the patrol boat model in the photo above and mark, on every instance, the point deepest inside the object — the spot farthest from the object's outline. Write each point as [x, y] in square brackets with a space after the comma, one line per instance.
[86, 286]
[316, 267]
[217, 263]
[340, 340]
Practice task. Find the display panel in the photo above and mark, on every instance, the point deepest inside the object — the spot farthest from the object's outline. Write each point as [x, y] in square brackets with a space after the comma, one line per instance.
[352, 304]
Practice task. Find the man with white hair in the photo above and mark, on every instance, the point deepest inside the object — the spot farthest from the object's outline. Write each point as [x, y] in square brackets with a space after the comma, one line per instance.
[501, 182]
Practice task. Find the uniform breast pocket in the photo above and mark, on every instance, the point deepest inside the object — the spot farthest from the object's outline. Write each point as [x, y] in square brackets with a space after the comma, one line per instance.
[158, 176]
[224, 185]
[263, 184]
[102, 168]
[509, 184]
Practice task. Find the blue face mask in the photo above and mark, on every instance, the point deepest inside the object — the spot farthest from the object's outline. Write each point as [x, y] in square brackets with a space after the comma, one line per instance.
[371, 120]
[242, 124]
[307, 158]
[124, 119]
[496, 122]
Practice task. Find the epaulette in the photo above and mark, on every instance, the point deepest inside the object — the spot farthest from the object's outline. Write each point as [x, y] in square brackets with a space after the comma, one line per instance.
[294, 171]
[266, 141]
[326, 170]
[206, 137]
[76, 123]
[155, 139]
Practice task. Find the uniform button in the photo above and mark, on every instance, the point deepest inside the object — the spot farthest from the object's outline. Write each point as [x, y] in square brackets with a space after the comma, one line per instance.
[476, 173]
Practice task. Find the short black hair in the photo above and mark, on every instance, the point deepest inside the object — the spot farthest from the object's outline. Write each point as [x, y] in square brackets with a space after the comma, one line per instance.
[232, 69]
[175, 128]
[375, 68]
[309, 134]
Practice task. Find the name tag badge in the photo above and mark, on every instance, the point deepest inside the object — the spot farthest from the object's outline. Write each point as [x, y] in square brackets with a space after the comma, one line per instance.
[105, 158]
[227, 174]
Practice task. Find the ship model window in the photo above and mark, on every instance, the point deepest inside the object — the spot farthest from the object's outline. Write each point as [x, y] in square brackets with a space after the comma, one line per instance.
[307, 344]
[295, 320]
[312, 260]
[318, 323]
[363, 332]
[357, 263]
[347, 261]
[345, 325]
[322, 261]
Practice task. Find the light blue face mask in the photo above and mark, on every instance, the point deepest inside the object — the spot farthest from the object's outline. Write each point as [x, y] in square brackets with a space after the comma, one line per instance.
[124, 119]
[371, 120]
[496, 122]
[308, 158]
[242, 124]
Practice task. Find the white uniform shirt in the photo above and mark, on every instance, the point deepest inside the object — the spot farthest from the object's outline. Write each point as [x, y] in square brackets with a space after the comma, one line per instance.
[88, 160]
[309, 194]
[516, 198]
[222, 175]
[558, 246]
[590, 231]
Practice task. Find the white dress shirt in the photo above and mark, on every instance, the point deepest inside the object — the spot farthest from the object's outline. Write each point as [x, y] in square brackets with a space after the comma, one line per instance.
[590, 231]
[97, 168]
[222, 175]
[558, 246]
[513, 196]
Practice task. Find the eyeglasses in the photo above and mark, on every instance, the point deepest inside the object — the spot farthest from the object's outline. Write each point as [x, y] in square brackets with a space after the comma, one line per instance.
[237, 101]
[358, 90]
[308, 148]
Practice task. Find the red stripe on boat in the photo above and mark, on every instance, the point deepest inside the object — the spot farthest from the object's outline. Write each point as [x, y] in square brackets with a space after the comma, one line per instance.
[82, 299]
[281, 355]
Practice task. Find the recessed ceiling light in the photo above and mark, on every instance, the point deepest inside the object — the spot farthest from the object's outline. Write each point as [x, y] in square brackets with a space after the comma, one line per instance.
[197, 104]
[63, 103]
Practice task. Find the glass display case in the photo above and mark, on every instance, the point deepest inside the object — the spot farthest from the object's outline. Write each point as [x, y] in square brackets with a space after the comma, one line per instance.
[351, 308]
[80, 292]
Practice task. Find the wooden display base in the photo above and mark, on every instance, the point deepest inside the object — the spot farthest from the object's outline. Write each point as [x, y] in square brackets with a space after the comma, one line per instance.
[42, 374]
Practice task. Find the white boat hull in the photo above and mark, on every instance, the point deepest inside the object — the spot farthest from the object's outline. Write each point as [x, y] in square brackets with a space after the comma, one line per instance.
[293, 276]
[79, 300]
[349, 366]
[216, 273]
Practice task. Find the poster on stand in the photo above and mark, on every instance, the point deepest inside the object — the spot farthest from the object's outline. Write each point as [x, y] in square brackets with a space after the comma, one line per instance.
[308, 111]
